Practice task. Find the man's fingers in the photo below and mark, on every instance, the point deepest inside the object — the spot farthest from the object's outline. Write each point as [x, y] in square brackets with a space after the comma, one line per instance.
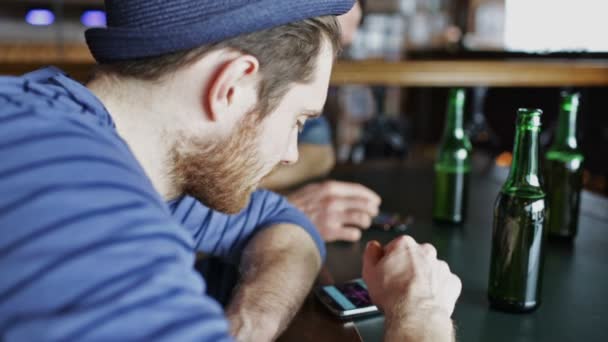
[373, 253]
[357, 218]
[429, 250]
[403, 241]
[344, 189]
[346, 204]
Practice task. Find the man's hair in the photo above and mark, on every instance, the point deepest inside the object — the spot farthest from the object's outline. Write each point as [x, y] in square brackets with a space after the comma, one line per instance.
[287, 54]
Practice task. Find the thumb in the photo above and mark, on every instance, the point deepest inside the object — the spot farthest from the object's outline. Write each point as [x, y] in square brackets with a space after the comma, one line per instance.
[373, 253]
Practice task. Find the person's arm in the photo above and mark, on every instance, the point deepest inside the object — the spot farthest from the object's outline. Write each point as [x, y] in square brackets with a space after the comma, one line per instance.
[316, 158]
[278, 270]
[315, 161]
[419, 326]
[279, 253]
[226, 236]
[416, 291]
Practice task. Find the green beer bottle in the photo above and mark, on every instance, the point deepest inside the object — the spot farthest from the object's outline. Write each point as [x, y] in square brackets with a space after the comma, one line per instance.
[453, 165]
[564, 173]
[518, 230]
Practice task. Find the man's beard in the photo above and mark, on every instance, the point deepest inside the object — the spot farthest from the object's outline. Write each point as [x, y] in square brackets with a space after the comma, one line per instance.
[221, 174]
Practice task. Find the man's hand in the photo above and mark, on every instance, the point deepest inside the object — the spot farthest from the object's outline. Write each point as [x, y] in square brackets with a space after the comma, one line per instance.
[416, 291]
[338, 209]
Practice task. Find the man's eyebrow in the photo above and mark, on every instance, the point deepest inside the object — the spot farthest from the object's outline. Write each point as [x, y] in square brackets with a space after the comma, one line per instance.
[312, 113]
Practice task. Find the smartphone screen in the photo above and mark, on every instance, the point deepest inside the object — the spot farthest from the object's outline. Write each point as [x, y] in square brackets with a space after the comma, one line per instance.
[347, 300]
[388, 221]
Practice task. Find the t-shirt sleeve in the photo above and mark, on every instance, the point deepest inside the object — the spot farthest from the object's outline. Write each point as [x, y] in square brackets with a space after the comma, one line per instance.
[226, 236]
[88, 250]
[316, 132]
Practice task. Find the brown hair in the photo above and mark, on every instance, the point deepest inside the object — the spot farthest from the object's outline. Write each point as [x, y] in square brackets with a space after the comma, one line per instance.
[287, 54]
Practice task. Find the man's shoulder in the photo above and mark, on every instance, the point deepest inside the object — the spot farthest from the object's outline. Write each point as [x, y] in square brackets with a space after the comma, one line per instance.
[53, 132]
[48, 94]
[47, 110]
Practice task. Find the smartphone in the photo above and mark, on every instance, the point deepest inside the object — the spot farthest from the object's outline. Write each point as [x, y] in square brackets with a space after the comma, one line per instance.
[387, 221]
[347, 300]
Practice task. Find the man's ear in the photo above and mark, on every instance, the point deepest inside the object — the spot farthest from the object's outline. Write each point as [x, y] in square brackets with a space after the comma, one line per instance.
[228, 88]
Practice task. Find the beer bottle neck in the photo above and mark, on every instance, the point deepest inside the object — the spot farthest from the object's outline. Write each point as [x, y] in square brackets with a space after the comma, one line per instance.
[566, 130]
[524, 169]
[524, 173]
[454, 119]
[453, 127]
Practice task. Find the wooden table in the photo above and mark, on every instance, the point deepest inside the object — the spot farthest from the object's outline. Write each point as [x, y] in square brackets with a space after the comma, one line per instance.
[16, 59]
[574, 303]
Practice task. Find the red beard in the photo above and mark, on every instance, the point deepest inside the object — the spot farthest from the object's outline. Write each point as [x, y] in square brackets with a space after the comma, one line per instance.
[223, 174]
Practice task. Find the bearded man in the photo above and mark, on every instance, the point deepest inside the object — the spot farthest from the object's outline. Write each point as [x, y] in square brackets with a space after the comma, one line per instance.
[193, 103]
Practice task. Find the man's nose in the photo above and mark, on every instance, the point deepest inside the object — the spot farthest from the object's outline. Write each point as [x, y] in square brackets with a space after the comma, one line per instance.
[291, 154]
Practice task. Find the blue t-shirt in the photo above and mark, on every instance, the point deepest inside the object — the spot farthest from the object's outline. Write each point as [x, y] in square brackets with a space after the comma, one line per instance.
[316, 132]
[88, 249]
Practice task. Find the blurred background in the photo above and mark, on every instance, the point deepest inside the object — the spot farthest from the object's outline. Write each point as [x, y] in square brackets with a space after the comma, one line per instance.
[390, 86]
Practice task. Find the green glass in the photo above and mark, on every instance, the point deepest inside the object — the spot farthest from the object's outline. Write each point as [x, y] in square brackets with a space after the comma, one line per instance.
[564, 173]
[453, 165]
[518, 229]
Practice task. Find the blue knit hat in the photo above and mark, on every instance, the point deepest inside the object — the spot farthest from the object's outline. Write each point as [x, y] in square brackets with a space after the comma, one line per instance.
[147, 28]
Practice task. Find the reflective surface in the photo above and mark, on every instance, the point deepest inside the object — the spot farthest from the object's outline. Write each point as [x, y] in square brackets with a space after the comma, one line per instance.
[517, 258]
[574, 298]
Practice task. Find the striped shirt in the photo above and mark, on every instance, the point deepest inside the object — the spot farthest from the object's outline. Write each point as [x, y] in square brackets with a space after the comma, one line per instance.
[88, 249]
